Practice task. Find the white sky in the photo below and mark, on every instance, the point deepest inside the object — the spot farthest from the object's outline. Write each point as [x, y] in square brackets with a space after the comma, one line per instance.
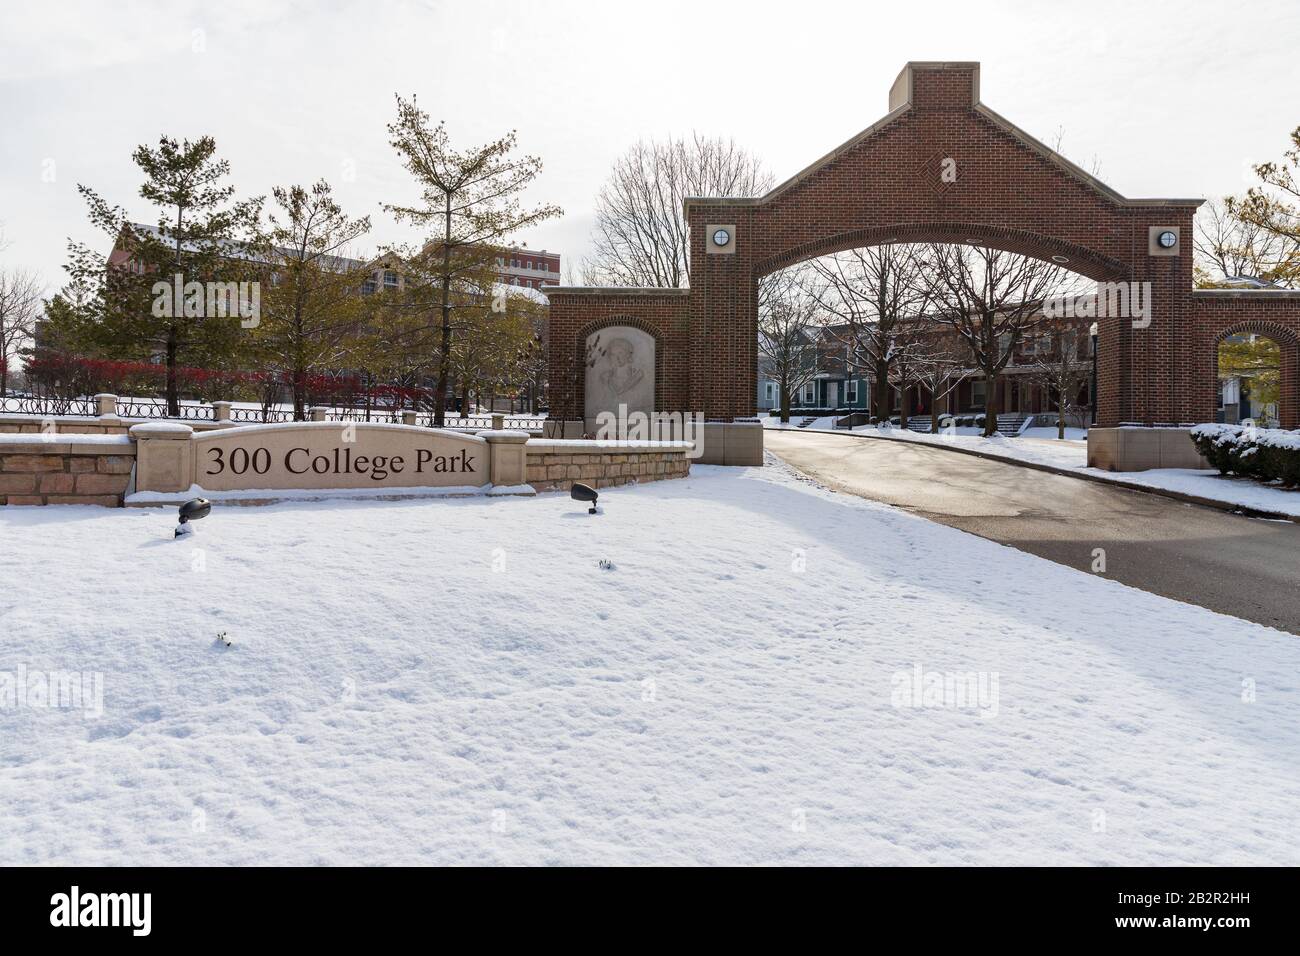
[1173, 98]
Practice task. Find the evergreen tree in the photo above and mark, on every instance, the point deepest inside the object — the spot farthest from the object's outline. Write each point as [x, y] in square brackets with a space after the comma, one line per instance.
[198, 237]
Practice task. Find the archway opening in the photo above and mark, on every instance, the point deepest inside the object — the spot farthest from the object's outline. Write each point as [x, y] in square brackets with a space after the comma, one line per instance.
[970, 337]
[1249, 375]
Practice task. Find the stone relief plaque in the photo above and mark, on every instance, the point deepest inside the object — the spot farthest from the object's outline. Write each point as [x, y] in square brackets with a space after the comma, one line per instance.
[620, 371]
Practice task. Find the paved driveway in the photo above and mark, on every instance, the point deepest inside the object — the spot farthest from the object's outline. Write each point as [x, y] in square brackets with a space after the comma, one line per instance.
[1245, 567]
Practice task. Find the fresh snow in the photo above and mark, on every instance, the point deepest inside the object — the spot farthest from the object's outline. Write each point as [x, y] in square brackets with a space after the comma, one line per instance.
[63, 438]
[460, 681]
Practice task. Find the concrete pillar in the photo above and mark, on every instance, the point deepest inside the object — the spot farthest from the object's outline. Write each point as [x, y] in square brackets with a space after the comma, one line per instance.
[106, 405]
[498, 422]
[408, 417]
[507, 460]
[164, 456]
[221, 411]
[317, 414]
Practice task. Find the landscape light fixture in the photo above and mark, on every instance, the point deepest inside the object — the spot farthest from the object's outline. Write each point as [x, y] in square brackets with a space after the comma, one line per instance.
[581, 492]
[192, 510]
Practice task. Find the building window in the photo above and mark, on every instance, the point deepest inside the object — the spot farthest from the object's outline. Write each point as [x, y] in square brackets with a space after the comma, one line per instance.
[390, 279]
[514, 263]
[369, 285]
[810, 393]
[977, 396]
[851, 391]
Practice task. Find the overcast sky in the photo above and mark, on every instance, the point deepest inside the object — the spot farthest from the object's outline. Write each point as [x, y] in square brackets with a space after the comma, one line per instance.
[1173, 99]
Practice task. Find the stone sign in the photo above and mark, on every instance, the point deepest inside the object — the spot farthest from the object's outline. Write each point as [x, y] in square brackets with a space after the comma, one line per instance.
[338, 455]
[314, 455]
[620, 371]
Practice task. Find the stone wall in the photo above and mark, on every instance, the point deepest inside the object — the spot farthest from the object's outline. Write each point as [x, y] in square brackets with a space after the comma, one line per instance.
[65, 471]
[74, 425]
[556, 465]
[36, 425]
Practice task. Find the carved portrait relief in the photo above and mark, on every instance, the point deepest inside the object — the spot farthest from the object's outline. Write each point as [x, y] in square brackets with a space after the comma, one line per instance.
[620, 371]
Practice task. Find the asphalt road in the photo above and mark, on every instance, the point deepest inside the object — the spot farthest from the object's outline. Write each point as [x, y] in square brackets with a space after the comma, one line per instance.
[1246, 567]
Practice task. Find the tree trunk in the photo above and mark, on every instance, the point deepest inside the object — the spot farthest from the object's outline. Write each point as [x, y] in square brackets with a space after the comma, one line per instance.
[934, 412]
[1060, 420]
[882, 392]
[785, 402]
[173, 392]
[444, 359]
[902, 407]
[299, 403]
[991, 405]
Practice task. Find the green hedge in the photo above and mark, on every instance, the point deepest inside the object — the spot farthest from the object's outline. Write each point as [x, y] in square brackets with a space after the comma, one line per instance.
[1266, 454]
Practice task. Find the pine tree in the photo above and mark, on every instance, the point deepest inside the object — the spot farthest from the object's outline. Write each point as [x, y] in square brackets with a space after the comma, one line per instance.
[198, 237]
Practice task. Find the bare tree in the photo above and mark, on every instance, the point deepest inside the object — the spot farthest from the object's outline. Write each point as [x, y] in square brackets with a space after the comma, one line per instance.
[1228, 246]
[906, 364]
[1060, 366]
[640, 236]
[989, 299]
[940, 367]
[1271, 207]
[20, 307]
[788, 316]
[875, 293]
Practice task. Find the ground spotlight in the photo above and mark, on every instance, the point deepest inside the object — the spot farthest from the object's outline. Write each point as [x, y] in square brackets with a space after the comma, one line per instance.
[581, 492]
[192, 510]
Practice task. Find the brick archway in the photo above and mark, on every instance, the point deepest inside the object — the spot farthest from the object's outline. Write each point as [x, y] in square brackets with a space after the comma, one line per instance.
[1288, 343]
[940, 166]
[1085, 261]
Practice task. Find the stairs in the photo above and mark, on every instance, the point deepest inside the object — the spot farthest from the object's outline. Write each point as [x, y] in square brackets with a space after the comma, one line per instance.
[805, 422]
[1009, 423]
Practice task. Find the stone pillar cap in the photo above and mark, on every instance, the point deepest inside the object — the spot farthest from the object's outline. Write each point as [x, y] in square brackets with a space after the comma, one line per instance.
[167, 430]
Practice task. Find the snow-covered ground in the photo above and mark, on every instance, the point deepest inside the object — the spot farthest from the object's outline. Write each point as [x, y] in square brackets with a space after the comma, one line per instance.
[1041, 446]
[459, 681]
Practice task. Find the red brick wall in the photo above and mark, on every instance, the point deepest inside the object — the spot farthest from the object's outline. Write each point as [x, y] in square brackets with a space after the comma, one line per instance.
[575, 315]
